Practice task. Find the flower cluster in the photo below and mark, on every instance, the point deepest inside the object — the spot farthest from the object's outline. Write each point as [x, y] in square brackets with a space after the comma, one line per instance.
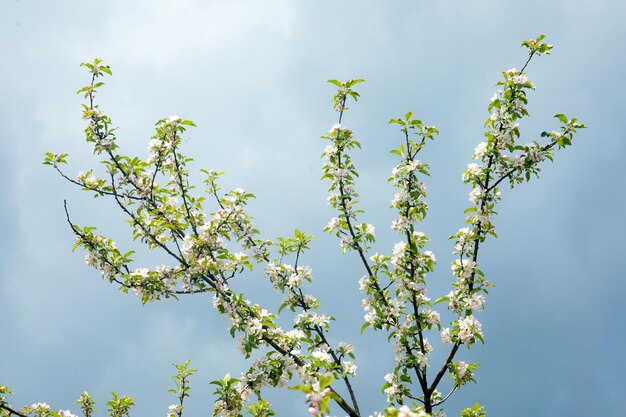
[86, 404]
[174, 410]
[341, 171]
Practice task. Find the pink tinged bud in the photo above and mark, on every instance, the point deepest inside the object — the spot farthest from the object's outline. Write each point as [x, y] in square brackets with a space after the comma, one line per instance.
[313, 410]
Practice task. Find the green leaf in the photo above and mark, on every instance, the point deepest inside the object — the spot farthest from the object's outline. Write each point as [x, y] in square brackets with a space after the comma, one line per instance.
[355, 82]
[187, 122]
[561, 117]
[365, 326]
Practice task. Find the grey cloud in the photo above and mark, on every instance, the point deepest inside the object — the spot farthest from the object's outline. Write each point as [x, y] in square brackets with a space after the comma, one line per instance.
[252, 75]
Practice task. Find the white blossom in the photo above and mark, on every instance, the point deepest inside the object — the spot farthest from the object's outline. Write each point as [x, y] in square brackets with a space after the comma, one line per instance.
[475, 195]
[476, 302]
[469, 328]
[350, 368]
[188, 243]
[172, 119]
[461, 369]
[445, 336]
[480, 149]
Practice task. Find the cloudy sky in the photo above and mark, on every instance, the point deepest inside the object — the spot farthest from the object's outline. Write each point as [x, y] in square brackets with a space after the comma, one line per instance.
[252, 75]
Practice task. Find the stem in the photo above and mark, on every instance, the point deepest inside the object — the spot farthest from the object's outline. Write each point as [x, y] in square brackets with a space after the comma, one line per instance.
[84, 239]
[320, 332]
[361, 252]
[512, 170]
[182, 191]
[181, 398]
[136, 222]
[476, 248]
[421, 373]
[97, 190]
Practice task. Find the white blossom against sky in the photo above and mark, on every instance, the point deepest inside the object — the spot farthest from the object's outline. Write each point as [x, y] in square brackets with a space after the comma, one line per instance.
[252, 75]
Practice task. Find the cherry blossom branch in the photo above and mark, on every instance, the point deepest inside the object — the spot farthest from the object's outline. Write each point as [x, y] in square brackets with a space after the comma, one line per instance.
[94, 189]
[92, 247]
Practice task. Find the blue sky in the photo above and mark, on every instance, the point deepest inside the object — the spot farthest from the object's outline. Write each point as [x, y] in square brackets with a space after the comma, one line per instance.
[252, 76]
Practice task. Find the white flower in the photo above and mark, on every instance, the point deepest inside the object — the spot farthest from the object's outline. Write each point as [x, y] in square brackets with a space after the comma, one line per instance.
[321, 355]
[405, 411]
[333, 224]
[295, 334]
[271, 270]
[461, 369]
[475, 195]
[295, 280]
[469, 327]
[91, 259]
[432, 317]
[255, 327]
[154, 145]
[334, 128]
[349, 367]
[472, 171]
[344, 347]
[330, 150]
[399, 198]
[534, 154]
[231, 200]
[240, 257]
[173, 410]
[413, 166]
[320, 319]
[399, 224]
[398, 253]
[480, 149]
[172, 119]
[430, 256]
[463, 269]
[476, 302]
[363, 283]
[172, 202]
[187, 245]
[445, 336]
[520, 79]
